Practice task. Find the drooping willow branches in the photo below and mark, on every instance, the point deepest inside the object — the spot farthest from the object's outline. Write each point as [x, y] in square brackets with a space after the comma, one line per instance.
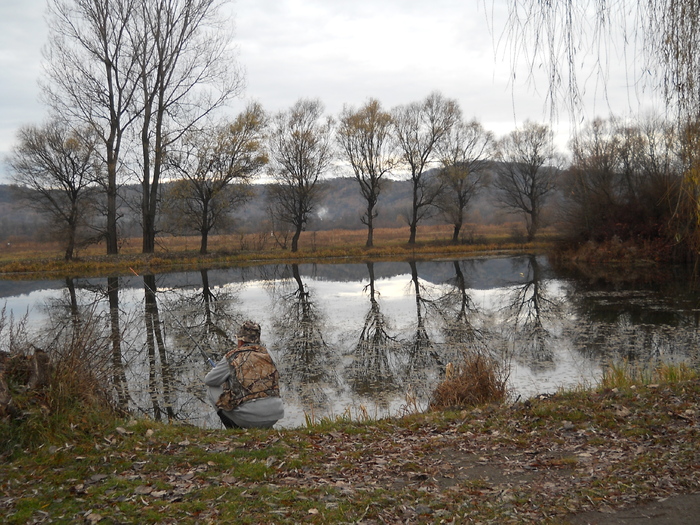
[575, 40]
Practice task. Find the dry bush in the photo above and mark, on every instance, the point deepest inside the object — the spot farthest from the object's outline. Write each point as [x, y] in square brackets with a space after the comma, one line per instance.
[72, 390]
[81, 363]
[478, 380]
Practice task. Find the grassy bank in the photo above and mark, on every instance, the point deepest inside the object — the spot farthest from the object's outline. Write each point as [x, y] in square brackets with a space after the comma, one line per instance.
[29, 260]
[532, 462]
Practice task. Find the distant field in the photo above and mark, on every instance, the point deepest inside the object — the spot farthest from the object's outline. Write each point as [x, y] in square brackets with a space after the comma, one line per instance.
[309, 241]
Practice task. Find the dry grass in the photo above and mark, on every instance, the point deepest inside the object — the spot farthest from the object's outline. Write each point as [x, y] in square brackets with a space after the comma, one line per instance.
[625, 374]
[75, 387]
[309, 241]
[477, 380]
[27, 259]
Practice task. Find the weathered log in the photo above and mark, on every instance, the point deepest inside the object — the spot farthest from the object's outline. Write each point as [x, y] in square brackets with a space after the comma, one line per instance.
[6, 406]
[39, 372]
[31, 371]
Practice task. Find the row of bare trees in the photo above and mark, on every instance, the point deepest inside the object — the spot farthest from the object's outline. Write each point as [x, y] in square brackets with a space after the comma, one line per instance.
[211, 168]
[135, 87]
[128, 79]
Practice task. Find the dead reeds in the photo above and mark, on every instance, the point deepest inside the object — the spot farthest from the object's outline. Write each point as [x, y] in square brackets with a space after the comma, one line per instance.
[54, 384]
[477, 380]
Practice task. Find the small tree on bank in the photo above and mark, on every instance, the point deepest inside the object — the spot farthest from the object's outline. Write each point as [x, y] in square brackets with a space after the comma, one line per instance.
[57, 171]
[300, 151]
[465, 155]
[526, 172]
[364, 138]
[418, 129]
[217, 166]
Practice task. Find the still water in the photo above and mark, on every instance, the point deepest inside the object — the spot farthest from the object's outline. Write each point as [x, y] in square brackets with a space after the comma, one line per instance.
[362, 339]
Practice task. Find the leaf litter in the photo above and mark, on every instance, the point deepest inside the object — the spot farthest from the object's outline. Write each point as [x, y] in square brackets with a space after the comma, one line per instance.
[539, 461]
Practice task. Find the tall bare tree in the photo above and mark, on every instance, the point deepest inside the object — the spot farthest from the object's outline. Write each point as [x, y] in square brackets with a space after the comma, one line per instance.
[418, 129]
[465, 155]
[217, 166]
[186, 72]
[57, 169]
[364, 136]
[301, 152]
[526, 172]
[90, 69]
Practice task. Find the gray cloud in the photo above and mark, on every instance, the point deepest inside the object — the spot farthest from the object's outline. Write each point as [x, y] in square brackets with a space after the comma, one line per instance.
[342, 52]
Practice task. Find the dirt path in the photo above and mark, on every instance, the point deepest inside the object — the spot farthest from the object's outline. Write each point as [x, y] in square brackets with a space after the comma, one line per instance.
[676, 510]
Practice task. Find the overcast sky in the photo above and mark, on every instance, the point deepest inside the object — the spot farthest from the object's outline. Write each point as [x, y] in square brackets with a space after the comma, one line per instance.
[342, 52]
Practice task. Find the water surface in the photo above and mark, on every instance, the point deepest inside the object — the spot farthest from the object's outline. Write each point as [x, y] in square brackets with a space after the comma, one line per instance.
[362, 339]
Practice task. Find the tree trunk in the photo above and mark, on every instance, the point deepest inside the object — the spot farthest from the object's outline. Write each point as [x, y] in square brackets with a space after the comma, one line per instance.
[295, 239]
[413, 228]
[413, 223]
[455, 232]
[118, 376]
[204, 230]
[532, 227]
[70, 246]
[204, 242]
[111, 233]
[370, 227]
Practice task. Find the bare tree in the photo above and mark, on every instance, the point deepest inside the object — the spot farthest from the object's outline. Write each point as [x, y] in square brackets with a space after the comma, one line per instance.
[91, 78]
[662, 37]
[526, 172]
[166, 64]
[623, 180]
[300, 149]
[465, 154]
[185, 72]
[57, 169]
[418, 129]
[364, 138]
[217, 166]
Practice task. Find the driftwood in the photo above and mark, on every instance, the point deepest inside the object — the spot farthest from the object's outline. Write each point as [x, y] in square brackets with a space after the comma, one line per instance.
[31, 372]
[6, 406]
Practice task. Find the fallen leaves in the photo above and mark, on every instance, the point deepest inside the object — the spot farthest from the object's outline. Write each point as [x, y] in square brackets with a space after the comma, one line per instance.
[527, 463]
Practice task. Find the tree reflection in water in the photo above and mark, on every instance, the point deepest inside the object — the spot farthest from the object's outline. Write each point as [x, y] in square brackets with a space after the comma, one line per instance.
[205, 319]
[307, 364]
[370, 373]
[422, 354]
[452, 307]
[160, 388]
[118, 374]
[206, 323]
[528, 306]
[464, 328]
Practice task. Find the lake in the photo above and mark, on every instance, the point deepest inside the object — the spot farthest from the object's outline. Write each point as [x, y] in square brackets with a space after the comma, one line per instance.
[363, 340]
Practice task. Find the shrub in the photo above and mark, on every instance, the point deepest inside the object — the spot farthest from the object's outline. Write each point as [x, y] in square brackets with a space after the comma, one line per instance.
[477, 380]
[73, 393]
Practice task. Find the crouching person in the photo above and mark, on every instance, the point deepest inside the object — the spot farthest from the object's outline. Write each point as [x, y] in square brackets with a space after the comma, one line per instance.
[244, 385]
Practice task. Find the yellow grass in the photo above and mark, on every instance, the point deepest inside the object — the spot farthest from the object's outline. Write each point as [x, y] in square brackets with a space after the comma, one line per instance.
[181, 253]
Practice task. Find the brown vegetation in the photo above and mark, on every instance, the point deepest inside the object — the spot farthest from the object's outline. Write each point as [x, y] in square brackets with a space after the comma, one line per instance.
[477, 380]
[181, 253]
